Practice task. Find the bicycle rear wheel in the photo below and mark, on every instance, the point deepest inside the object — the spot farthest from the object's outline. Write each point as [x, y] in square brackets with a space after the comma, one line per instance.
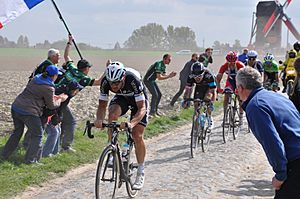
[131, 172]
[227, 126]
[107, 176]
[194, 136]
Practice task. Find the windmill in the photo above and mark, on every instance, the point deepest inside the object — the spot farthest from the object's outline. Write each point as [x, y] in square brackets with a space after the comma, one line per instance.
[268, 24]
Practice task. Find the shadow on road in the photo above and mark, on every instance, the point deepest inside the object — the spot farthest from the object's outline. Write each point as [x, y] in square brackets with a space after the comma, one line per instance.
[183, 156]
[259, 188]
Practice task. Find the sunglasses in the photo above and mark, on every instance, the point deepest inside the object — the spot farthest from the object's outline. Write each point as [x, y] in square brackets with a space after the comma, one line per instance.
[116, 83]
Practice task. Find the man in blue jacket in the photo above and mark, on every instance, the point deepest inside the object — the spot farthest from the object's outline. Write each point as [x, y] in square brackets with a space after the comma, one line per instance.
[274, 120]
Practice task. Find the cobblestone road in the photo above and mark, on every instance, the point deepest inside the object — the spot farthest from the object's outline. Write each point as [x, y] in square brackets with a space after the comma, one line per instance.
[237, 169]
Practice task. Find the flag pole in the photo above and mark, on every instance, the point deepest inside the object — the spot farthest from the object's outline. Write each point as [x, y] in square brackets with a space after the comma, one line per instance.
[62, 19]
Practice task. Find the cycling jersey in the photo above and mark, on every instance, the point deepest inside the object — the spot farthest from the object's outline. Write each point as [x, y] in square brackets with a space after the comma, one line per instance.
[208, 80]
[133, 89]
[157, 67]
[231, 82]
[271, 68]
[231, 72]
[202, 87]
[258, 66]
[73, 78]
[243, 58]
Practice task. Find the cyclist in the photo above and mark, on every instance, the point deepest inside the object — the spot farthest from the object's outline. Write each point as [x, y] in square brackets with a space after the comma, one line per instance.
[130, 94]
[254, 62]
[271, 69]
[244, 56]
[288, 65]
[231, 67]
[205, 88]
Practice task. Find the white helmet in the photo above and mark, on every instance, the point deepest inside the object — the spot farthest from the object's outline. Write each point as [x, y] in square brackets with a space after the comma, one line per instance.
[252, 53]
[115, 71]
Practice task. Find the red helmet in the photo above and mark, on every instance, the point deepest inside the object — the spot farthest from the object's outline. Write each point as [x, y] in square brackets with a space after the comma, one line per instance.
[231, 56]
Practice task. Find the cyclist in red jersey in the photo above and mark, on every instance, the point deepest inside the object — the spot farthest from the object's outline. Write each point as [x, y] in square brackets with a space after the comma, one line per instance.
[231, 67]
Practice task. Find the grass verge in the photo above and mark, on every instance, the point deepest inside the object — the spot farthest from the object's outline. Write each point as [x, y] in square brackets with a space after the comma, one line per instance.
[15, 176]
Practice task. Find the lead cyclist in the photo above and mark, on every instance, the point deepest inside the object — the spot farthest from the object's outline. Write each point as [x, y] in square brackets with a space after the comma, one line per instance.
[130, 94]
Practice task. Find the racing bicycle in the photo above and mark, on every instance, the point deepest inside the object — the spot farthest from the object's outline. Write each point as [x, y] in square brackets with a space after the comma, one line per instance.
[114, 169]
[201, 132]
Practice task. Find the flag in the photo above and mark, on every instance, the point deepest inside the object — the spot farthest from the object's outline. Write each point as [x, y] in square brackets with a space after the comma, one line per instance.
[11, 9]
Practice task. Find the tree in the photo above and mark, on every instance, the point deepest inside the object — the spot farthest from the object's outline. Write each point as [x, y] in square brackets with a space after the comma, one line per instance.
[181, 38]
[20, 41]
[26, 42]
[237, 45]
[149, 37]
[217, 45]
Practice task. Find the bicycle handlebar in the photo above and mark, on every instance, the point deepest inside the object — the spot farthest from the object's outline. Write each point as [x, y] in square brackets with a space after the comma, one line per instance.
[89, 125]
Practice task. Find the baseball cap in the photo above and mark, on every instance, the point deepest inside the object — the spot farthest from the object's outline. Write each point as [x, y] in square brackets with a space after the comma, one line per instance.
[83, 64]
[52, 70]
[52, 51]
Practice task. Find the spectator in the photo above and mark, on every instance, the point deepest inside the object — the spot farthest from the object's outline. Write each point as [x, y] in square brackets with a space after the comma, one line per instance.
[206, 57]
[183, 76]
[295, 95]
[79, 76]
[244, 57]
[52, 59]
[27, 110]
[274, 121]
[157, 71]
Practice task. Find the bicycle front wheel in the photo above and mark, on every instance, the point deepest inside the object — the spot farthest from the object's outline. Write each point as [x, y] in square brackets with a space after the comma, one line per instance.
[205, 137]
[131, 167]
[236, 123]
[108, 173]
[226, 124]
[194, 136]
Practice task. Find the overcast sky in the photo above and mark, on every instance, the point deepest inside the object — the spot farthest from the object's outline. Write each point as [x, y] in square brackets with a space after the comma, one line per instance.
[104, 22]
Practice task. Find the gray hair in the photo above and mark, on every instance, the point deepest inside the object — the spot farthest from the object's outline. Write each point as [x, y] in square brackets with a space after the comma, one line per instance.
[52, 51]
[249, 78]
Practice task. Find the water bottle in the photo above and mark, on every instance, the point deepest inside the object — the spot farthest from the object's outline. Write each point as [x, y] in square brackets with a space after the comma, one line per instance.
[125, 149]
[202, 119]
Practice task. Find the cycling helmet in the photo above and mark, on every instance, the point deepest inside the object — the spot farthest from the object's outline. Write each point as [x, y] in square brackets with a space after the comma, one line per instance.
[297, 46]
[269, 57]
[231, 56]
[115, 71]
[292, 53]
[252, 53]
[197, 68]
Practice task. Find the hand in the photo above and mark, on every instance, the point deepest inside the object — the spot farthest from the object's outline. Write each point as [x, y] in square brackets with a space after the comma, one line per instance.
[108, 62]
[98, 123]
[220, 90]
[70, 38]
[172, 74]
[63, 97]
[125, 125]
[276, 183]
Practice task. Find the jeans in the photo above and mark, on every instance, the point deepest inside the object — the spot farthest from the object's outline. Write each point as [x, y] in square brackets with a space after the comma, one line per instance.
[177, 95]
[52, 143]
[67, 128]
[156, 95]
[35, 130]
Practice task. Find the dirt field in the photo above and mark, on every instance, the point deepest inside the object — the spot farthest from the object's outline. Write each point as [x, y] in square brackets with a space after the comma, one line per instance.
[15, 69]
